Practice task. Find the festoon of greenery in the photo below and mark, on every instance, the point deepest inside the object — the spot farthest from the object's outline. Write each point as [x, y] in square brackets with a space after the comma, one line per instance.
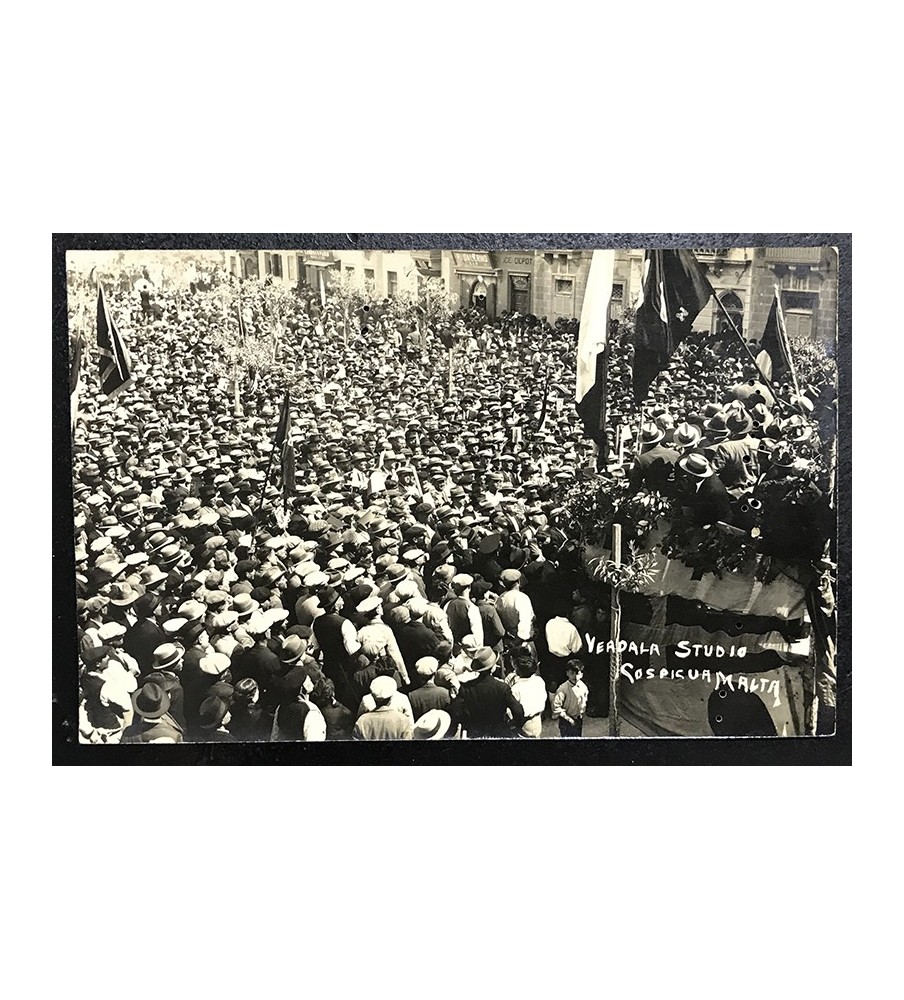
[707, 548]
[591, 508]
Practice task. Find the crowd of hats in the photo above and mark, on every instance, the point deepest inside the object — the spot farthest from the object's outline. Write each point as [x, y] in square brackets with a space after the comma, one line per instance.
[400, 487]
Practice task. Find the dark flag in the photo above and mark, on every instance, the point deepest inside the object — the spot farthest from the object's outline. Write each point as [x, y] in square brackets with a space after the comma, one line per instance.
[283, 445]
[674, 292]
[115, 366]
[773, 357]
[243, 335]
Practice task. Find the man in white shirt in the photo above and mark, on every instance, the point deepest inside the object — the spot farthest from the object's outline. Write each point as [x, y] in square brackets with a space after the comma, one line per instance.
[514, 607]
[563, 641]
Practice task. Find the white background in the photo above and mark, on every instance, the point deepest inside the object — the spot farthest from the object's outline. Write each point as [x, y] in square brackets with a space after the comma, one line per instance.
[214, 117]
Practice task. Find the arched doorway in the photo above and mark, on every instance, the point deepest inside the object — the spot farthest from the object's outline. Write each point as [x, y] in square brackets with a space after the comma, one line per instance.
[479, 295]
[735, 308]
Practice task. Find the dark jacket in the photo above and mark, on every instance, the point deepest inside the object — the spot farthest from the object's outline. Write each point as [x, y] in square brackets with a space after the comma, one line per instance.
[195, 684]
[340, 722]
[493, 629]
[428, 697]
[708, 504]
[480, 708]
[736, 462]
[457, 613]
[258, 663]
[415, 640]
[328, 632]
[250, 725]
[361, 680]
[654, 468]
[171, 683]
[142, 731]
[141, 640]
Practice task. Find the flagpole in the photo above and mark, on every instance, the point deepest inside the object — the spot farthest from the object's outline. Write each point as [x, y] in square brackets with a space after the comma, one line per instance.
[614, 633]
[786, 344]
[740, 336]
[266, 480]
[639, 432]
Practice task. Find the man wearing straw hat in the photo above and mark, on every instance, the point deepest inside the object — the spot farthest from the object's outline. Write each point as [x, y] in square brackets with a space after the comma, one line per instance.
[702, 491]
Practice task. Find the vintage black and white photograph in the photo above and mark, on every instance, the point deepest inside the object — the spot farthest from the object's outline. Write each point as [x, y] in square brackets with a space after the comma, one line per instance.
[453, 494]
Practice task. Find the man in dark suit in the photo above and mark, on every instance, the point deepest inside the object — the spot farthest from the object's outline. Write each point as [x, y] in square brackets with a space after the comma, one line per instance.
[153, 719]
[702, 491]
[483, 704]
[338, 641]
[493, 629]
[145, 635]
[414, 638]
[259, 662]
[654, 467]
[428, 696]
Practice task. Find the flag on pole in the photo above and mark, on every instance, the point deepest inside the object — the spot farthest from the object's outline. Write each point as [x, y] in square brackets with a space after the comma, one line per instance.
[322, 288]
[115, 364]
[283, 445]
[774, 357]
[243, 333]
[673, 293]
[592, 336]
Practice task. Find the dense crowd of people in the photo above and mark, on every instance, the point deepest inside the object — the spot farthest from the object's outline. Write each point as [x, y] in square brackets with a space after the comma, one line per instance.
[414, 581]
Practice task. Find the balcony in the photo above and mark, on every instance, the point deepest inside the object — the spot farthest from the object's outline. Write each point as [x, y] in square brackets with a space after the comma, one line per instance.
[733, 255]
[428, 262]
[794, 255]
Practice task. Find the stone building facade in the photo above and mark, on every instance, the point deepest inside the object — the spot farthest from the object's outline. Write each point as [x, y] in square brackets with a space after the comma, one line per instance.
[552, 283]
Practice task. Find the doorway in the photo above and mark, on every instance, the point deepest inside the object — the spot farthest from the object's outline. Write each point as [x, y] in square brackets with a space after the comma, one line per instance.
[519, 293]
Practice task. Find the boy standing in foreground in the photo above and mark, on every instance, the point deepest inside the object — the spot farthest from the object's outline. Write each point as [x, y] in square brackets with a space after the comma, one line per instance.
[570, 702]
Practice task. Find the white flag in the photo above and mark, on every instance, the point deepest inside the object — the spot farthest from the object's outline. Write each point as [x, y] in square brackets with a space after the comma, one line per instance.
[594, 319]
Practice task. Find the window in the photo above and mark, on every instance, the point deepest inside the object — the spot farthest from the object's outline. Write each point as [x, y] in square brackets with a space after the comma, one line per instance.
[349, 271]
[800, 312]
[291, 268]
[392, 282]
[233, 266]
[368, 274]
[563, 304]
[268, 263]
[798, 300]
[616, 303]
[277, 265]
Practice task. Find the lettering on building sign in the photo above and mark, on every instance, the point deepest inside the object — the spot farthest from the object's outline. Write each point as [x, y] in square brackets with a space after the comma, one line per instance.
[515, 261]
[474, 260]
